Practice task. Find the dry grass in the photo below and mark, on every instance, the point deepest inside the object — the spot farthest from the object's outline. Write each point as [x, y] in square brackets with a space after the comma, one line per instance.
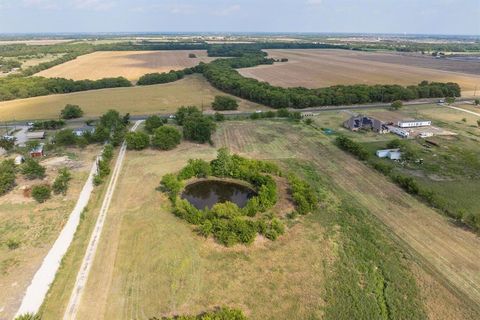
[163, 98]
[152, 264]
[35, 226]
[322, 68]
[129, 64]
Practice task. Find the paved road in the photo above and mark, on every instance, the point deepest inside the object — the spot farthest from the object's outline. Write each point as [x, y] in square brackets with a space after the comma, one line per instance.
[45, 275]
[82, 276]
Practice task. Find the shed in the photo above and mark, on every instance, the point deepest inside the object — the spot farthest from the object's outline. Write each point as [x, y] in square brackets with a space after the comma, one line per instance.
[392, 154]
[414, 123]
[37, 151]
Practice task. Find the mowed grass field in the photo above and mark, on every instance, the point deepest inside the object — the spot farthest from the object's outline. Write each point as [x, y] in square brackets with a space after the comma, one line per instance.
[154, 264]
[321, 68]
[162, 98]
[129, 64]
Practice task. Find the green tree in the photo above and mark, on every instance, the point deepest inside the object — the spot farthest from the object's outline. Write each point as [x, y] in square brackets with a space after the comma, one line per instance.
[65, 137]
[185, 112]
[224, 103]
[60, 185]
[219, 117]
[71, 111]
[137, 140]
[153, 122]
[477, 102]
[396, 105]
[31, 169]
[450, 100]
[166, 138]
[198, 129]
[41, 193]
[478, 123]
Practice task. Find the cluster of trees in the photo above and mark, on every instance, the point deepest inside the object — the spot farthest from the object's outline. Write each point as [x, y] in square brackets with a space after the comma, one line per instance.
[7, 176]
[219, 314]
[196, 126]
[6, 65]
[48, 125]
[222, 103]
[165, 77]
[103, 169]
[31, 169]
[71, 111]
[222, 75]
[163, 138]
[17, 87]
[226, 222]
[353, 147]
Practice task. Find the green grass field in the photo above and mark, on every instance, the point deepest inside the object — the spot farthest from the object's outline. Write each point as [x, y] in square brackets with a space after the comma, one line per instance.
[163, 98]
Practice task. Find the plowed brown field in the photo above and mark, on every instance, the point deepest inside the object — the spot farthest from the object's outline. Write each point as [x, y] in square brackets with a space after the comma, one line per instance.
[322, 68]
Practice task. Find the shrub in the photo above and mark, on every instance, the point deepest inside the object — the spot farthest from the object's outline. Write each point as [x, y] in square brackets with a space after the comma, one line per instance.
[65, 137]
[71, 111]
[219, 117]
[195, 168]
[60, 185]
[224, 103]
[31, 169]
[185, 112]
[396, 105]
[166, 138]
[41, 193]
[353, 147]
[13, 244]
[137, 140]
[170, 185]
[153, 122]
[303, 195]
[28, 316]
[7, 176]
[7, 144]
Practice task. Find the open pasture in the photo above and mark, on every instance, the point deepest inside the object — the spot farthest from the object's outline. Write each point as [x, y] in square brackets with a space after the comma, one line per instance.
[322, 68]
[129, 64]
[154, 265]
[162, 98]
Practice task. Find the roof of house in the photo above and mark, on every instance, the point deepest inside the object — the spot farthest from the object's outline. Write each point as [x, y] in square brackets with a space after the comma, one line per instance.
[85, 129]
[361, 121]
[38, 148]
[414, 121]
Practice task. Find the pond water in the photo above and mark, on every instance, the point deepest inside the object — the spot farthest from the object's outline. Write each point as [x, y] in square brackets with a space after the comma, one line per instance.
[205, 194]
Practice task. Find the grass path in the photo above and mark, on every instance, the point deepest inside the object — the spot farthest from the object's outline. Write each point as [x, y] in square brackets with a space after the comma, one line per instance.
[82, 276]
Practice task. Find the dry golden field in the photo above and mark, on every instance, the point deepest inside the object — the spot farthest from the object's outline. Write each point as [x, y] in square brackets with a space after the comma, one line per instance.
[322, 68]
[162, 98]
[129, 64]
[35, 226]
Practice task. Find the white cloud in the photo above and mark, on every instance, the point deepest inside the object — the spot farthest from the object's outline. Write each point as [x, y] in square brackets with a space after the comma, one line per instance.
[227, 11]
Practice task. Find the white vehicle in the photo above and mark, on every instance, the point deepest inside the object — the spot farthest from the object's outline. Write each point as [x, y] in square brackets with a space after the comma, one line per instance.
[258, 111]
[8, 137]
[30, 124]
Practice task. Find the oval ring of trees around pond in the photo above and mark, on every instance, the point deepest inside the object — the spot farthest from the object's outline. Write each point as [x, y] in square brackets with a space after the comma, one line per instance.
[227, 222]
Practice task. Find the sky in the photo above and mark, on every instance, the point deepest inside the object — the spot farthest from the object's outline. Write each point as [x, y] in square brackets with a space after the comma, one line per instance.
[350, 16]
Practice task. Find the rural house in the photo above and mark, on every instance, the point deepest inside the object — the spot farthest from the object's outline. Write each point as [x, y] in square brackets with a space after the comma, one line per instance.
[83, 130]
[367, 123]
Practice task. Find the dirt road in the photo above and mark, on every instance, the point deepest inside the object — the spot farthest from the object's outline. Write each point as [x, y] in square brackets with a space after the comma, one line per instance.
[82, 277]
[45, 275]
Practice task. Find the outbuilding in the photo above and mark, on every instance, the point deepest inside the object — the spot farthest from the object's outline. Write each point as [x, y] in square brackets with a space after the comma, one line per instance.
[414, 123]
[36, 135]
[37, 151]
[392, 154]
[83, 130]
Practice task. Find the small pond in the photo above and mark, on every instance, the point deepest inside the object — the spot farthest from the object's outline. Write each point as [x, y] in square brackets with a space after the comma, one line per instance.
[206, 193]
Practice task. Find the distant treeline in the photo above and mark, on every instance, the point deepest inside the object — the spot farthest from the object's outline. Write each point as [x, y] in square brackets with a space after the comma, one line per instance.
[222, 75]
[24, 87]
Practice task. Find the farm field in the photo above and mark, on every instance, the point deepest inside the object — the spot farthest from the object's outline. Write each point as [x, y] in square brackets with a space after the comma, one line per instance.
[322, 68]
[301, 275]
[162, 98]
[34, 227]
[129, 64]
